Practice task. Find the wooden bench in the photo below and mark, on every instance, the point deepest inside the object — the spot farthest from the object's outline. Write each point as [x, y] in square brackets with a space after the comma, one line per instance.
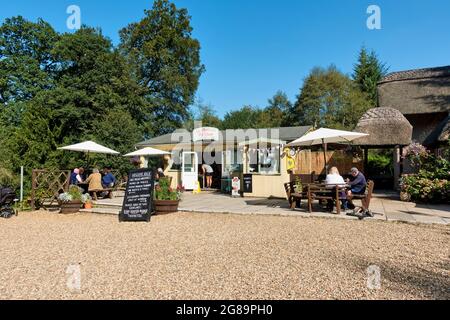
[324, 192]
[366, 197]
[93, 193]
[294, 198]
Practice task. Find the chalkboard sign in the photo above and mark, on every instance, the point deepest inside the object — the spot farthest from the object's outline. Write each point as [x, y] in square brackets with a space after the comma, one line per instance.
[248, 183]
[138, 201]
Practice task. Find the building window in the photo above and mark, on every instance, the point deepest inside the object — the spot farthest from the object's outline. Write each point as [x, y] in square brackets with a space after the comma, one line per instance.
[264, 160]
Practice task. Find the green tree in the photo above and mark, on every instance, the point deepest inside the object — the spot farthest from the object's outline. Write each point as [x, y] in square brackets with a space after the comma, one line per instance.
[329, 98]
[92, 84]
[245, 118]
[166, 62]
[277, 112]
[367, 72]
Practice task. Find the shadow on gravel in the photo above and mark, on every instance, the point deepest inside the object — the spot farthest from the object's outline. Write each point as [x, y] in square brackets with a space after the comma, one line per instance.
[431, 284]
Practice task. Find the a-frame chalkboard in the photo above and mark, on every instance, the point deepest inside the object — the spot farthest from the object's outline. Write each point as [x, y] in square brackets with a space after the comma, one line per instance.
[138, 201]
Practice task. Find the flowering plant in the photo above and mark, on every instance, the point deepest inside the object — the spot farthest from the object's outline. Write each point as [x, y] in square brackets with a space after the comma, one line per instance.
[75, 193]
[163, 191]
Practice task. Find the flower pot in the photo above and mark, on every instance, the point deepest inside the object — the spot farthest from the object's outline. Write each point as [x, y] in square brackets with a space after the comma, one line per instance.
[88, 205]
[70, 207]
[166, 206]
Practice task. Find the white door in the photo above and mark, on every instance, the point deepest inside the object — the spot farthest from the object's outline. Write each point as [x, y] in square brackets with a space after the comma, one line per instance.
[189, 173]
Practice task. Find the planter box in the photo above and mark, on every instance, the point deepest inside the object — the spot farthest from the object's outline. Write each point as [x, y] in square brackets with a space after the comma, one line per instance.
[166, 206]
[70, 207]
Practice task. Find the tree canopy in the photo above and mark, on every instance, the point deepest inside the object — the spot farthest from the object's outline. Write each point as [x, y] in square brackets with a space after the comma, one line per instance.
[165, 61]
[367, 72]
[63, 88]
[329, 98]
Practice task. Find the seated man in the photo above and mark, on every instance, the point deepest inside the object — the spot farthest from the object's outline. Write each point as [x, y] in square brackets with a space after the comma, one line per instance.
[357, 185]
[108, 179]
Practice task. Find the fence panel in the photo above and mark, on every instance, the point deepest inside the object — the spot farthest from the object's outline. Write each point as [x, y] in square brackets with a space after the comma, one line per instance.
[308, 161]
[47, 185]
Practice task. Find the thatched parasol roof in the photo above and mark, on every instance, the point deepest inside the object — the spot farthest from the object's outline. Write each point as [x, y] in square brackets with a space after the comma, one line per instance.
[416, 91]
[385, 126]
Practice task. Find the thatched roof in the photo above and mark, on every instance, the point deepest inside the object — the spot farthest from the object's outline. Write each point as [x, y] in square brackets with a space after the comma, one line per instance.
[445, 134]
[385, 126]
[416, 91]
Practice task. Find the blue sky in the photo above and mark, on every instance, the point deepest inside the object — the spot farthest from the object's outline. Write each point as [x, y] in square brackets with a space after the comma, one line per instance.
[252, 48]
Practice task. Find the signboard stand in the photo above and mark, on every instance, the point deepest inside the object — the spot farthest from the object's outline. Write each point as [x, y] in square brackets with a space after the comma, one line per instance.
[138, 201]
[248, 183]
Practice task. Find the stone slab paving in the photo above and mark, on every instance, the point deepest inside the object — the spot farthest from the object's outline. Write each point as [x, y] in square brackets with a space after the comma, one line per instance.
[384, 206]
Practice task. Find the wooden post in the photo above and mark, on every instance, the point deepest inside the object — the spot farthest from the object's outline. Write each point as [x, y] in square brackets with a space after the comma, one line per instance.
[33, 190]
[366, 160]
[397, 162]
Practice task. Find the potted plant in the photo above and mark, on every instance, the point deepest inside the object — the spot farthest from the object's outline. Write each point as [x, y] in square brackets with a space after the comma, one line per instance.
[166, 198]
[71, 201]
[87, 200]
[298, 186]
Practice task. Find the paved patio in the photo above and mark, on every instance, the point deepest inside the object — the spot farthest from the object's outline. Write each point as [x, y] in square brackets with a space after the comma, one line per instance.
[385, 206]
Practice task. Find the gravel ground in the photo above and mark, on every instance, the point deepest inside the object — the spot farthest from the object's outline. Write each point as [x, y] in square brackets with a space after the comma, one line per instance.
[217, 256]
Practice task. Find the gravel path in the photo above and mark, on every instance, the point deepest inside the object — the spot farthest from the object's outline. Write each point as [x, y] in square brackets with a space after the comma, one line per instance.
[217, 256]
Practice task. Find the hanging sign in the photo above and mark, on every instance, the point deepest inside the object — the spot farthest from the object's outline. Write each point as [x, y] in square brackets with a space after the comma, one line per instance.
[138, 201]
[205, 133]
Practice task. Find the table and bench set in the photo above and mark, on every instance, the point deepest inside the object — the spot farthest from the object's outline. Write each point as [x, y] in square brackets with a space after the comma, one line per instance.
[319, 191]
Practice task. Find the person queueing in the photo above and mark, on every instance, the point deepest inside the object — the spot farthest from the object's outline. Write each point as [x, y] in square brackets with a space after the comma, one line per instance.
[357, 185]
[208, 172]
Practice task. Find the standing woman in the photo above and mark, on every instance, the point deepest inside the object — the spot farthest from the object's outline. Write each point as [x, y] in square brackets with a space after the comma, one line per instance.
[208, 172]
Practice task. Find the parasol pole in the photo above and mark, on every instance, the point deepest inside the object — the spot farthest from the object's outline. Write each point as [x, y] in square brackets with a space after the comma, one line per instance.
[324, 154]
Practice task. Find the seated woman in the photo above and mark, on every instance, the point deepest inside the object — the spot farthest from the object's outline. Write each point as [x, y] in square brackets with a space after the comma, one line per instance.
[95, 182]
[333, 180]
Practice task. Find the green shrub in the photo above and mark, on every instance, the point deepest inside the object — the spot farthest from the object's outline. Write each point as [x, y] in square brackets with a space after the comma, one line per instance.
[432, 182]
[8, 179]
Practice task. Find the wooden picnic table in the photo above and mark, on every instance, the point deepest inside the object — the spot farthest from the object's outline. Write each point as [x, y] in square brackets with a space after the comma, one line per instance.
[322, 191]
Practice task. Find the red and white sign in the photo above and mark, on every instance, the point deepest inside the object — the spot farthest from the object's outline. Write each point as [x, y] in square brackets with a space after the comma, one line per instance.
[205, 133]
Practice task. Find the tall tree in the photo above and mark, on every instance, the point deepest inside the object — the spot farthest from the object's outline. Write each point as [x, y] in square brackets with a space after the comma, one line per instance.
[367, 72]
[166, 62]
[275, 114]
[92, 87]
[329, 98]
[245, 118]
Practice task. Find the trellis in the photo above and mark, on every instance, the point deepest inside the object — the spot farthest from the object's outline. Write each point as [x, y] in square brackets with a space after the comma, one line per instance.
[47, 185]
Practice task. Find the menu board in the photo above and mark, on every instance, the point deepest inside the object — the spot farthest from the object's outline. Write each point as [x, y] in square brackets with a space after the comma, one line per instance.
[138, 201]
[248, 183]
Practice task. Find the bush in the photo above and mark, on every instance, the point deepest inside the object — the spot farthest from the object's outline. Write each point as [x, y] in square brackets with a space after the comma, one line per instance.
[432, 182]
[8, 179]
[422, 189]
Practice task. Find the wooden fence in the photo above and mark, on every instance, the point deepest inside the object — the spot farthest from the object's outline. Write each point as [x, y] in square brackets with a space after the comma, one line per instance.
[46, 185]
[308, 162]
